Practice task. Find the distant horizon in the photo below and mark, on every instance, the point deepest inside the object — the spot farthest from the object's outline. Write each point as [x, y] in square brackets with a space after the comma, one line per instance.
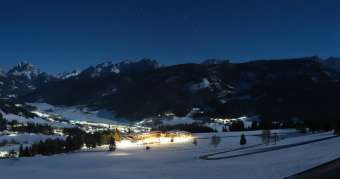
[197, 61]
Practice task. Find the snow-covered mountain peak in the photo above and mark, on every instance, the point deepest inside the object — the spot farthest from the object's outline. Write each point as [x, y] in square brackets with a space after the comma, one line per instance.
[107, 67]
[24, 69]
[126, 66]
[102, 69]
[67, 75]
[2, 73]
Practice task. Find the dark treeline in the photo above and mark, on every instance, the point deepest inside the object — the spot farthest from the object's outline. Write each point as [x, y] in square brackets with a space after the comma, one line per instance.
[238, 125]
[91, 140]
[3, 123]
[193, 128]
[75, 140]
[50, 147]
[7, 142]
[31, 128]
[28, 128]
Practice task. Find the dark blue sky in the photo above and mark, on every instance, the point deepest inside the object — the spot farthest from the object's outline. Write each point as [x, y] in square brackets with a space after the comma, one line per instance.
[59, 35]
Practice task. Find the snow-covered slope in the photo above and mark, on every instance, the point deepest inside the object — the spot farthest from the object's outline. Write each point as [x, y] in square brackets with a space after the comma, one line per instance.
[78, 113]
[126, 66]
[67, 75]
[179, 161]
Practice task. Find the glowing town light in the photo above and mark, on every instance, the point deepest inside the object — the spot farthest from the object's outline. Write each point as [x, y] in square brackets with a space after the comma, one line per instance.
[124, 144]
[4, 154]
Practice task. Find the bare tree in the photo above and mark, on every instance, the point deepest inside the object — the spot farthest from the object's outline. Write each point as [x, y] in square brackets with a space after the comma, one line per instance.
[266, 134]
[195, 142]
[215, 140]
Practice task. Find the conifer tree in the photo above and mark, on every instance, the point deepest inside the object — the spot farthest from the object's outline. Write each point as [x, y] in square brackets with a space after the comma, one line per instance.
[27, 152]
[21, 151]
[254, 125]
[243, 140]
[112, 146]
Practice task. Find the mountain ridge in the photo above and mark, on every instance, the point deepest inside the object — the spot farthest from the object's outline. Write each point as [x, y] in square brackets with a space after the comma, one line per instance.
[218, 89]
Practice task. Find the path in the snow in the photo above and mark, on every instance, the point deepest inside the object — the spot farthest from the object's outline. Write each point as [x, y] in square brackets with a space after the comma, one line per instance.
[210, 156]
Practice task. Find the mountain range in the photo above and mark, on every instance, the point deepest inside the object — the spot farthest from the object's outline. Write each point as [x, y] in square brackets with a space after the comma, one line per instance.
[280, 89]
[24, 77]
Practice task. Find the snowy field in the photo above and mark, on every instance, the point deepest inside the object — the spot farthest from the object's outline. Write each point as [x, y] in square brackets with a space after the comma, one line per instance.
[77, 113]
[181, 160]
[35, 120]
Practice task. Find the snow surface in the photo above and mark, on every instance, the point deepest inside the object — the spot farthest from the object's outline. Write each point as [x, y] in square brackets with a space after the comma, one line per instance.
[178, 120]
[36, 120]
[68, 75]
[176, 161]
[76, 113]
[205, 83]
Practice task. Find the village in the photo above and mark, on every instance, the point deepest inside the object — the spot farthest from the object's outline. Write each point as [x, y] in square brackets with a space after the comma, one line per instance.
[20, 134]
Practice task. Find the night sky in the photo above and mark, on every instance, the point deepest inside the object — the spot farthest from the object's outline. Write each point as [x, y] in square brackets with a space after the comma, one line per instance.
[59, 35]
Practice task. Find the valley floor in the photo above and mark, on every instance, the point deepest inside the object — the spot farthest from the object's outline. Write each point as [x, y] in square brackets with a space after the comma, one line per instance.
[182, 160]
